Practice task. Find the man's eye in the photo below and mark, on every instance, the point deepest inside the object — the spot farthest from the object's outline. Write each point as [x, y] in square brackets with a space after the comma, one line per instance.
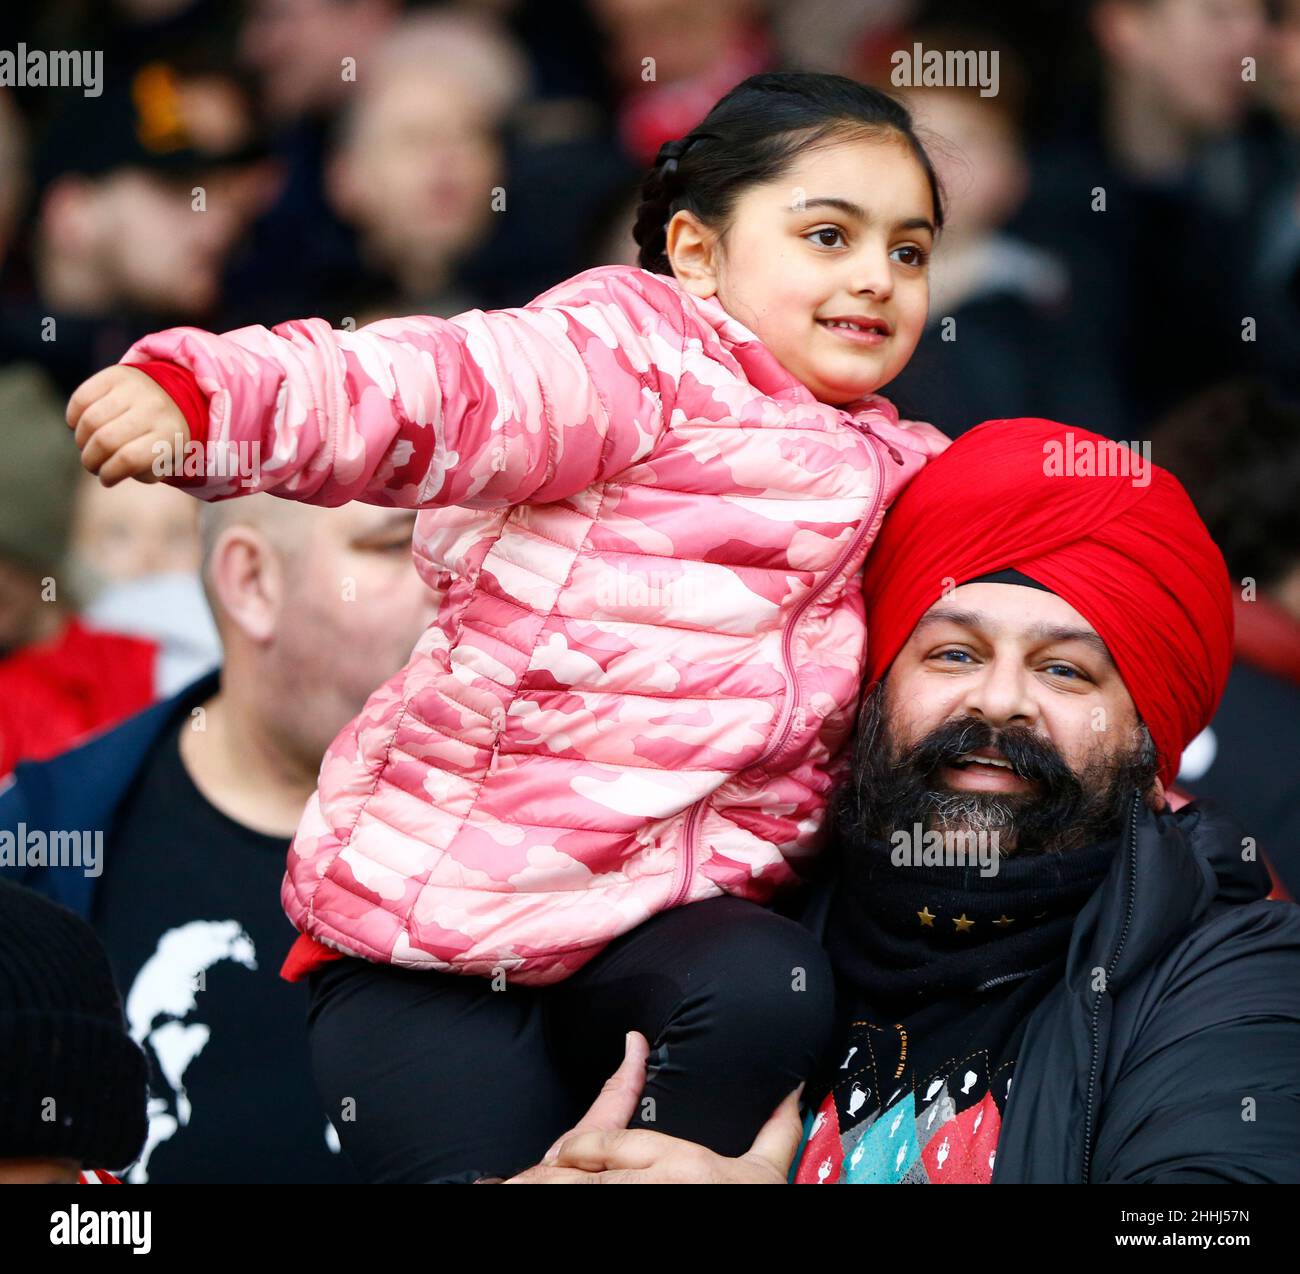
[830, 230]
[960, 654]
[1067, 671]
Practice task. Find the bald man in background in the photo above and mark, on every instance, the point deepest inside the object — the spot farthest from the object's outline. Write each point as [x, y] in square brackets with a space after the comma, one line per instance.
[177, 824]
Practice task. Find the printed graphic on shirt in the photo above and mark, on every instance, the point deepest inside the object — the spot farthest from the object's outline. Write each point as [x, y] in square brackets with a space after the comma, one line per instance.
[943, 1131]
[160, 1010]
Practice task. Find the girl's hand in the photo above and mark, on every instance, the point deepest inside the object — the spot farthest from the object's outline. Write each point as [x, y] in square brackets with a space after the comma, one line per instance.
[127, 426]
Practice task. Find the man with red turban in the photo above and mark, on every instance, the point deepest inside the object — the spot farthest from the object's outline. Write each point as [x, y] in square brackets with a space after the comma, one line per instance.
[1113, 535]
[1045, 973]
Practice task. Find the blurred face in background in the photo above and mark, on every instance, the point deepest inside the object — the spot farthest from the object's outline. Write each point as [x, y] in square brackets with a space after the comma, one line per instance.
[683, 36]
[163, 254]
[297, 48]
[976, 153]
[142, 237]
[137, 241]
[132, 530]
[349, 614]
[416, 171]
[1188, 51]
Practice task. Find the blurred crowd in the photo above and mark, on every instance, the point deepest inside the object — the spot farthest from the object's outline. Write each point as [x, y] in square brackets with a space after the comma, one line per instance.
[1122, 251]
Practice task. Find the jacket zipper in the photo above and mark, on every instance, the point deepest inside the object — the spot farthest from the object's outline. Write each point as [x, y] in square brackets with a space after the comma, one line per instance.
[686, 863]
[1110, 969]
[686, 859]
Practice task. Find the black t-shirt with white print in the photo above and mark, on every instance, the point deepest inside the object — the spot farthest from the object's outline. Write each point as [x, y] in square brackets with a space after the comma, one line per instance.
[189, 911]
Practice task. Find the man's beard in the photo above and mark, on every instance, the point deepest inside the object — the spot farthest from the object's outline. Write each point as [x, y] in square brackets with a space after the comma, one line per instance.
[894, 786]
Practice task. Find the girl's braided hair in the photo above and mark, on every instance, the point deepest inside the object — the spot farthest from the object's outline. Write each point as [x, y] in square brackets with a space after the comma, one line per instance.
[749, 137]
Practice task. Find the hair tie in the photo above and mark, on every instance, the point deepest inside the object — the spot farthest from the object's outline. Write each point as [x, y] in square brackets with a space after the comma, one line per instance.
[670, 152]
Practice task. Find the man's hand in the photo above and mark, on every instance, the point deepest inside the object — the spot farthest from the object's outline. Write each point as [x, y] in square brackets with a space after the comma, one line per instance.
[615, 1104]
[121, 415]
[601, 1150]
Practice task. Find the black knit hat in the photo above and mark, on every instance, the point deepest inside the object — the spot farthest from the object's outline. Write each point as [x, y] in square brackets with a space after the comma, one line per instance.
[73, 1084]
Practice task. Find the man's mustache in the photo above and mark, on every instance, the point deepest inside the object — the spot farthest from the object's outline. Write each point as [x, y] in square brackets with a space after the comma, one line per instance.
[895, 783]
[1029, 754]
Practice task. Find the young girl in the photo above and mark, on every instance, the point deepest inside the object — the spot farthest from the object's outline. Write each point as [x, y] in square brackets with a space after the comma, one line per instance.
[646, 501]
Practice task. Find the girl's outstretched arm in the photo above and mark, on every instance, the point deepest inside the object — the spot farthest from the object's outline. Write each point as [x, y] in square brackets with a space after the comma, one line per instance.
[487, 409]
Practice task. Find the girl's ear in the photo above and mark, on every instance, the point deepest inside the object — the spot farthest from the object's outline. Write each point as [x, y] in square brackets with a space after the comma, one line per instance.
[691, 249]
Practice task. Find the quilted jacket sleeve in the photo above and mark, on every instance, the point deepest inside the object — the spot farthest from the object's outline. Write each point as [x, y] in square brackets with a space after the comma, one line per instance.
[487, 409]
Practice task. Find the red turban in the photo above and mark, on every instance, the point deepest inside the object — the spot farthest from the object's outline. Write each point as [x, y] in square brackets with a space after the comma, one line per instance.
[1127, 550]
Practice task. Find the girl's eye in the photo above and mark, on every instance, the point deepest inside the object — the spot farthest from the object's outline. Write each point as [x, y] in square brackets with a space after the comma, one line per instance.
[919, 256]
[831, 230]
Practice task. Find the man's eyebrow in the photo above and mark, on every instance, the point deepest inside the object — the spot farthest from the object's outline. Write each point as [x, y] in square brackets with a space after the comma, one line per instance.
[948, 615]
[1038, 633]
[859, 213]
[1060, 632]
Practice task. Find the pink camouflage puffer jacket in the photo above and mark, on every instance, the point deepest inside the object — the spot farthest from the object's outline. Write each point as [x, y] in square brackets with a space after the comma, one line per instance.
[645, 538]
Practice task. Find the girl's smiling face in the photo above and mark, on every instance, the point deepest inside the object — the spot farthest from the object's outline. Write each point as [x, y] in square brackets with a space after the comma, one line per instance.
[845, 233]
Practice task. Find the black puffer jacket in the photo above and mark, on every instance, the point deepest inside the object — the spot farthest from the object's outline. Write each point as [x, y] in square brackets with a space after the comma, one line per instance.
[1170, 1051]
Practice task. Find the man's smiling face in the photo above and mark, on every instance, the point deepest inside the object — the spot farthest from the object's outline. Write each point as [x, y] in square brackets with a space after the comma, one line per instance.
[1003, 710]
[1010, 656]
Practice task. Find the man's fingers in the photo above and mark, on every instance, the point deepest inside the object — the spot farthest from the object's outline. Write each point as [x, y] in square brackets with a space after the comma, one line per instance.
[627, 1148]
[778, 1139]
[633, 1149]
[544, 1175]
[616, 1103]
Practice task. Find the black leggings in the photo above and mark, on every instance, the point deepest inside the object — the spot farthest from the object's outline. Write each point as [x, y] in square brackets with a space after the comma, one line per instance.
[438, 1077]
